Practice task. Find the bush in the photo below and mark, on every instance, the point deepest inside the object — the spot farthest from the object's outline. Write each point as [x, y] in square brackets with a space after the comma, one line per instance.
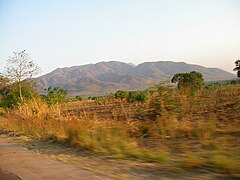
[188, 83]
[121, 94]
[12, 96]
[56, 95]
[78, 98]
[134, 96]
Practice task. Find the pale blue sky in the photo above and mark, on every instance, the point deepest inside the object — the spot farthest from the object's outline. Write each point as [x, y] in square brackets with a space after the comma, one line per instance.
[60, 33]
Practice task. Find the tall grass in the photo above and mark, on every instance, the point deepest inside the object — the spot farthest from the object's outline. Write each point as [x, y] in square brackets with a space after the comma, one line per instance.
[192, 129]
[109, 137]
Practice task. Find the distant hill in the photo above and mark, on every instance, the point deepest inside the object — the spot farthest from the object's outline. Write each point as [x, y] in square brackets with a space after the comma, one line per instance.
[113, 75]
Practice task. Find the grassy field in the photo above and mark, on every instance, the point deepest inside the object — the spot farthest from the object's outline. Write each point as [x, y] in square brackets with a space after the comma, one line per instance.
[189, 132]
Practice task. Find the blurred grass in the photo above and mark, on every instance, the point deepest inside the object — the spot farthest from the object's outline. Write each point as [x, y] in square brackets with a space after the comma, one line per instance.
[197, 131]
[229, 163]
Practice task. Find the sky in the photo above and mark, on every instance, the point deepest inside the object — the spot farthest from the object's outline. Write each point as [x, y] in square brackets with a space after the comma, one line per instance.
[64, 33]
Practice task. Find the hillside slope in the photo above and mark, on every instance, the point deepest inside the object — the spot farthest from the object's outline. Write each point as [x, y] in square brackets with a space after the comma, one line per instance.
[110, 76]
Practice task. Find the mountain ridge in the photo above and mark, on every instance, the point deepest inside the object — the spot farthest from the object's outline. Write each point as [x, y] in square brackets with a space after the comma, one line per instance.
[108, 76]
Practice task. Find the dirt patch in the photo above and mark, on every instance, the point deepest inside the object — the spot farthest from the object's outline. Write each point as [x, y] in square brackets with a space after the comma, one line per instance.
[30, 165]
[5, 175]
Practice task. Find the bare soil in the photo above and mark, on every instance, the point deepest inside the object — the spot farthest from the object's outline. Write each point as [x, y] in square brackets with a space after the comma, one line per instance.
[18, 162]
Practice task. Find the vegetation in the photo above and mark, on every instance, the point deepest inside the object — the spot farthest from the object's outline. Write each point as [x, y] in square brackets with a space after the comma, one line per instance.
[188, 83]
[78, 98]
[11, 94]
[56, 95]
[122, 94]
[237, 68]
[136, 96]
[156, 125]
[4, 86]
[4, 81]
[20, 67]
[131, 96]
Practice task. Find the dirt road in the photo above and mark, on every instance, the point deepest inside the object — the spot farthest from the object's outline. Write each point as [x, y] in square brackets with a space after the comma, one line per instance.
[17, 162]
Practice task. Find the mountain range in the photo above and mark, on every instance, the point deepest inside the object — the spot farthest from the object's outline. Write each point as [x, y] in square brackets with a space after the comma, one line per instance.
[114, 75]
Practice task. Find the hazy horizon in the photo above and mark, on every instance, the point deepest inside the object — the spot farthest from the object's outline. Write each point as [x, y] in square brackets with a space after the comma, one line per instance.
[70, 33]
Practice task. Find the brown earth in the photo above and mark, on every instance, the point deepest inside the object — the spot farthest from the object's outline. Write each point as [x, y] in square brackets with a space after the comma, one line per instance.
[5, 175]
[26, 164]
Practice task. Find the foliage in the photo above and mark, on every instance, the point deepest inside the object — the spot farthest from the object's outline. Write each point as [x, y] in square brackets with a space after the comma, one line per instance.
[11, 97]
[157, 102]
[79, 98]
[20, 66]
[237, 68]
[121, 94]
[95, 98]
[56, 95]
[131, 96]
[188, 83]
[134, 96]
[4, 86]
[101, 99]
[4, 81]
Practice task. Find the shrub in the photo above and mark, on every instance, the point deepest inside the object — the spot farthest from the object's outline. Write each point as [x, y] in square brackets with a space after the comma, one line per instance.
[12, 96]
[134, 96]
[188, 83]
[79, 98]
[56, 95]
[121, 94]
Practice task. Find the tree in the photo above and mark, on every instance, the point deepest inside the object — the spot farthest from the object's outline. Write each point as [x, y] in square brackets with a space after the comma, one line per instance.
[56, 95]
[79, 98]
[20, 66]
[4, 81]
[134, 96]
[11, 97]
[188, 82]
[237, 68]
[4, 86]
[121, 94]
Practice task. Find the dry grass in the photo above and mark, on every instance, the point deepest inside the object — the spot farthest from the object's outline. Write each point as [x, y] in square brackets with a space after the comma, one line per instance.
[108, 137]
[189, 130]
[229, 164]
[192, 161]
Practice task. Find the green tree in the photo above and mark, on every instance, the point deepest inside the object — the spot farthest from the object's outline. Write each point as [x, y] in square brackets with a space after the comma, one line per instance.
[237, 68]
[141, 96]
[56, 95]
[121, 94]
[188, 82]
[19, 67]
[11, 95]
[79, 98]
[136, 96]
